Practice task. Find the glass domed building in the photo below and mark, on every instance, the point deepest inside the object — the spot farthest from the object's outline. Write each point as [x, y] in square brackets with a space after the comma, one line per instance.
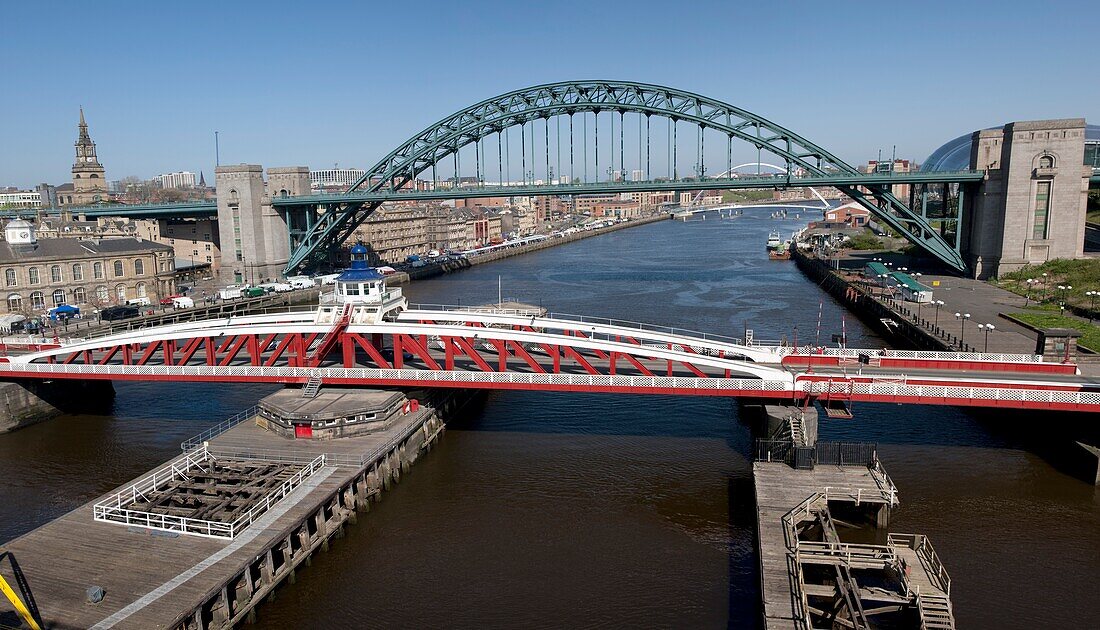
[954, 155]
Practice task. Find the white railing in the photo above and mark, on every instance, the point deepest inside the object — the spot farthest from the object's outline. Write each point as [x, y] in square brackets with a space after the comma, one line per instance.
[338, 374]
[284, 489]
[928, 355]
[219, 428]
[111, 510]
[900, 388]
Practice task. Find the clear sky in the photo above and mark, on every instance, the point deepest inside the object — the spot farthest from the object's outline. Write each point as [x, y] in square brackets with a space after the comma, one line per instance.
[314, 83]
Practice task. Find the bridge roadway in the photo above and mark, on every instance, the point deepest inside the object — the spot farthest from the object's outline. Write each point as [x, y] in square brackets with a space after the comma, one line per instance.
[433, 347]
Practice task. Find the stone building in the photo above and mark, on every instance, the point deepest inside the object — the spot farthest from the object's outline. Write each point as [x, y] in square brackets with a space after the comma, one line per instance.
[395, 232]
[89, 176]
[252, 233]
[40, 274]
[1030, 208]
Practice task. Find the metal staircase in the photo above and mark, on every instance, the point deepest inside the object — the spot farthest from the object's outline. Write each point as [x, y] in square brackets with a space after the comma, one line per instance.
[935, 612]
[797, 430]
[331, 337]
[313, 386]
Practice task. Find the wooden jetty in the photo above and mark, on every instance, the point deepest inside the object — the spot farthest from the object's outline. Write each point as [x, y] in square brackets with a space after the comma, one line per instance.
[158, 577]
[810, 578]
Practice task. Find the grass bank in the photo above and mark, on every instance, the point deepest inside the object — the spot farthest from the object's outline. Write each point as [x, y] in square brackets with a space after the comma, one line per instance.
[1090, 333]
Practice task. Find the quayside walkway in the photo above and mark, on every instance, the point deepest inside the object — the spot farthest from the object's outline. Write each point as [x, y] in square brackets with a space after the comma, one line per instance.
[199, 542]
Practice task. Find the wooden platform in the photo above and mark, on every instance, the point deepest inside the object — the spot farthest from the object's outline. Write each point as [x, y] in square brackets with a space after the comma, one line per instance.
[154, 579]
[779, 488]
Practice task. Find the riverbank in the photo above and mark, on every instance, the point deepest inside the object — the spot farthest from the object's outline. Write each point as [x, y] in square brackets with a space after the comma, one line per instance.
[457, 265]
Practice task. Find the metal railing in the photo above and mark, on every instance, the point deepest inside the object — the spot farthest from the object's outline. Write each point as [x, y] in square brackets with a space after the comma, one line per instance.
[933, 566]
[219, 428]
[112, 510]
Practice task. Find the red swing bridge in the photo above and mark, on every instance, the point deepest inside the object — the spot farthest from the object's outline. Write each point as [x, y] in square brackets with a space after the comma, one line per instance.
[381, 342]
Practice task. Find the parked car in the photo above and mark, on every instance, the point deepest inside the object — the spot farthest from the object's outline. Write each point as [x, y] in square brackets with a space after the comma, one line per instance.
[167, 301]
[182, 302]
[139, 301]
[229, 293]
[113, 313]
[254, 292]
[277, 287]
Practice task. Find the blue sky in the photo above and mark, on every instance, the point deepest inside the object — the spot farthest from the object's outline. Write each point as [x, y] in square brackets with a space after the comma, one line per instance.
[318, 83]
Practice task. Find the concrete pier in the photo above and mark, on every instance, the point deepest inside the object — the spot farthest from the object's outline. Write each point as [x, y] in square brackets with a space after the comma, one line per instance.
[168, 575]
[26, 403]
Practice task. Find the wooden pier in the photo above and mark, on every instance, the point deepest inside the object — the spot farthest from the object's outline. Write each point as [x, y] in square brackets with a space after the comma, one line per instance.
[164, 579]
[810, 578]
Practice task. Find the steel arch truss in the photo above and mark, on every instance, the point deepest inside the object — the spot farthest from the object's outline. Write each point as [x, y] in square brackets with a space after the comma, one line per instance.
[520, 107]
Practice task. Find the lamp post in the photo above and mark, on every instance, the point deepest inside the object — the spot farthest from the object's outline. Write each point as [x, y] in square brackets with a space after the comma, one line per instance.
[986, 328]
[1045, 286]
[963, 318]
[938, 304]
[1027, 297]
[1092, 302]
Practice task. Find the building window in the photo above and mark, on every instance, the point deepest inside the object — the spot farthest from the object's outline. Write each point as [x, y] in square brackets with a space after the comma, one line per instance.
[55, 273]
[1045, 161]
[78, 272]
[10, 279]
[97, 270]
[120, 291]
[78, 296]
[208, 259]
[101, 293]
[118, 269]
[139, 267]
[59, 297]
[1042, 209]
[141, 289]
[32, 275]
[38, 300]
[15, 303]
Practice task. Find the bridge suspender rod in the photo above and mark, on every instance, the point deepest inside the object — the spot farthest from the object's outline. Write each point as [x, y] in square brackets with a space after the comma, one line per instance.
[532, 152]
[523, 151]
[571, 175]
[584, 149]
[612, 167]
[596, 127]
[557, 144]
[729, 156]
[546, 141]
[648, 173]
[622, 125]
[675, 174]
[500, 161]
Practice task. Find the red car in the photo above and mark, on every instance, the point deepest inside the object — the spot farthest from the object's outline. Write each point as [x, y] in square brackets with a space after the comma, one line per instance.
[167, 301]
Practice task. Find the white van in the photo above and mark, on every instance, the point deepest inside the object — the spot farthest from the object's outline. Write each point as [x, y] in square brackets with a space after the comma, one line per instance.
[301, 282]
[139, 301]
[328, 278]
[183, 302]
[229, 293]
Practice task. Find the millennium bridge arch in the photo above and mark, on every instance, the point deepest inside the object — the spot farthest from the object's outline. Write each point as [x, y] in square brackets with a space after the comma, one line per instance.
[322, 231]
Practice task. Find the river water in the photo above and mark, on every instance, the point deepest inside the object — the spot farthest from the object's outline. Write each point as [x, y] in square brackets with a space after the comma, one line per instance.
[551, 510]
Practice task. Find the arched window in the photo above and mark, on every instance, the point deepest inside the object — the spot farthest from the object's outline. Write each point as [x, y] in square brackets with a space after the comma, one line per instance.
[97, 270]
[32, 275]
[10, 279]
[234, 196]
[78, 272]
[118, 269]
[58, 297]
[1046, 161]
[141, 289]
[78, 296]
[139, 267]
[120, 291]
[101, 293]
[55, 273]
[15, 303]
[38, 300]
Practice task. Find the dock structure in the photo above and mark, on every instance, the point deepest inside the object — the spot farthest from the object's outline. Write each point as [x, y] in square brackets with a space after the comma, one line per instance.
[200, 542]
[810, 577]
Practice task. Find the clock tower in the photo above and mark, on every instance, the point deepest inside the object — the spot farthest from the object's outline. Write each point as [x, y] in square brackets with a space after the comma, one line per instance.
[89, 177]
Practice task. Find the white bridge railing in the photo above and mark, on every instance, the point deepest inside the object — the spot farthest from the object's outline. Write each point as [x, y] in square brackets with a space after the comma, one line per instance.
[893, 388]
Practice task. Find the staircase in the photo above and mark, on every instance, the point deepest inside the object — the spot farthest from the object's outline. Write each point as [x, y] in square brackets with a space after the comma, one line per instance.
[331, 337]
[935, 612]
[797, 430]
[313, 386]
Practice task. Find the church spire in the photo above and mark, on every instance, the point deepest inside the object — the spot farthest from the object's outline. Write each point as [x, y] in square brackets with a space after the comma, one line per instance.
[82, 123]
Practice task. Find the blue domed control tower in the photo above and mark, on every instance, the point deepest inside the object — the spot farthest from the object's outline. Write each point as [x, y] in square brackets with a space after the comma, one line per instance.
[361, 293]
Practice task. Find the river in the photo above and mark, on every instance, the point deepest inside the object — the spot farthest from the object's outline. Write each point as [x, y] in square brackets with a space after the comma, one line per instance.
[551, 510]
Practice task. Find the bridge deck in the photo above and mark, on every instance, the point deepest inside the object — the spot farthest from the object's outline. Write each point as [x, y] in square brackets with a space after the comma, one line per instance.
[779, 489]
[156, 578]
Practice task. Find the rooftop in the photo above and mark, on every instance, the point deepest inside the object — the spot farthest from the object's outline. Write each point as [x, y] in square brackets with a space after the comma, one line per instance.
[53, 248]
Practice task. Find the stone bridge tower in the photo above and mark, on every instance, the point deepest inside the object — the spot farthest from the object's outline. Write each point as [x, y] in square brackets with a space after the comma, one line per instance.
[254, 235]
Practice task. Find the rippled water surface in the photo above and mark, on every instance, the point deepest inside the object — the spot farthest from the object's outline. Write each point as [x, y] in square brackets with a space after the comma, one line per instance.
[550, 510]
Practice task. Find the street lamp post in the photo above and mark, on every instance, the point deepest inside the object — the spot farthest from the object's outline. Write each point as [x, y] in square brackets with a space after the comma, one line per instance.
[938, 304]
[1092, 302]
[986, 328]
[963, 318]
[1045, 287]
